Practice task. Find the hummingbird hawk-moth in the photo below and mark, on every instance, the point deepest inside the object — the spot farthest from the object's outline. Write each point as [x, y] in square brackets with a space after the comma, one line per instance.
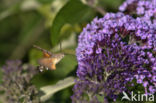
[49, 59]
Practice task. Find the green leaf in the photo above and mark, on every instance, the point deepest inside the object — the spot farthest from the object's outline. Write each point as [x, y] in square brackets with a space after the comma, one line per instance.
[65, 66]
[110, 5]
[45, 1]
[73, 12]
[50, 90]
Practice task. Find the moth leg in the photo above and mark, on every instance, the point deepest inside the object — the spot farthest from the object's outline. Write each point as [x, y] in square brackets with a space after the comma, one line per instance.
[41, 68]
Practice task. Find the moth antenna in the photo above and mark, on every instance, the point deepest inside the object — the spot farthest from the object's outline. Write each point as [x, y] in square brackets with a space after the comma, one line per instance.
[43, 50]
[37, 47]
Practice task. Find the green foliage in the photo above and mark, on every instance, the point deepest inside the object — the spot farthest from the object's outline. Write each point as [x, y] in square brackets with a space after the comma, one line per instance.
[28, 35]
[50, 90]
[73, 12]
[45, 1]
[110, 5]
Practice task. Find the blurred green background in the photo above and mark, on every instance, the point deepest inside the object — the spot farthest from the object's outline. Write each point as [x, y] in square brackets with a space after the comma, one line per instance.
[47, 23]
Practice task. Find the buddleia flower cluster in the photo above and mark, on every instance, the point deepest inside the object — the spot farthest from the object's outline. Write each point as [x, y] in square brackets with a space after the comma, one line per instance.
[145, 9]
[16, 83]
[112, 52]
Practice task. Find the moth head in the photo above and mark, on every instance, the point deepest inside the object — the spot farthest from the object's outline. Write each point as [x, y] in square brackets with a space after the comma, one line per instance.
[58, 56]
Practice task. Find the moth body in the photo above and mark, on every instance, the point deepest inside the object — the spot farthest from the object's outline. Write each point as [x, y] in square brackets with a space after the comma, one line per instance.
[49, 60]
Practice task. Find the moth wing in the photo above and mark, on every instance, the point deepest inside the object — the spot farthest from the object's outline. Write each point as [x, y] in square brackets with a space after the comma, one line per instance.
[47, 55]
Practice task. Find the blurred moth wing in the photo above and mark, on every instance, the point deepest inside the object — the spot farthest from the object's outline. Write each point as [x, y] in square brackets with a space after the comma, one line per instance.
[46, 53]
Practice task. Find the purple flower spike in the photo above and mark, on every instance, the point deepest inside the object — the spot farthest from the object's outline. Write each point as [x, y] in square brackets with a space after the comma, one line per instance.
[145, 9]
[119, 51]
